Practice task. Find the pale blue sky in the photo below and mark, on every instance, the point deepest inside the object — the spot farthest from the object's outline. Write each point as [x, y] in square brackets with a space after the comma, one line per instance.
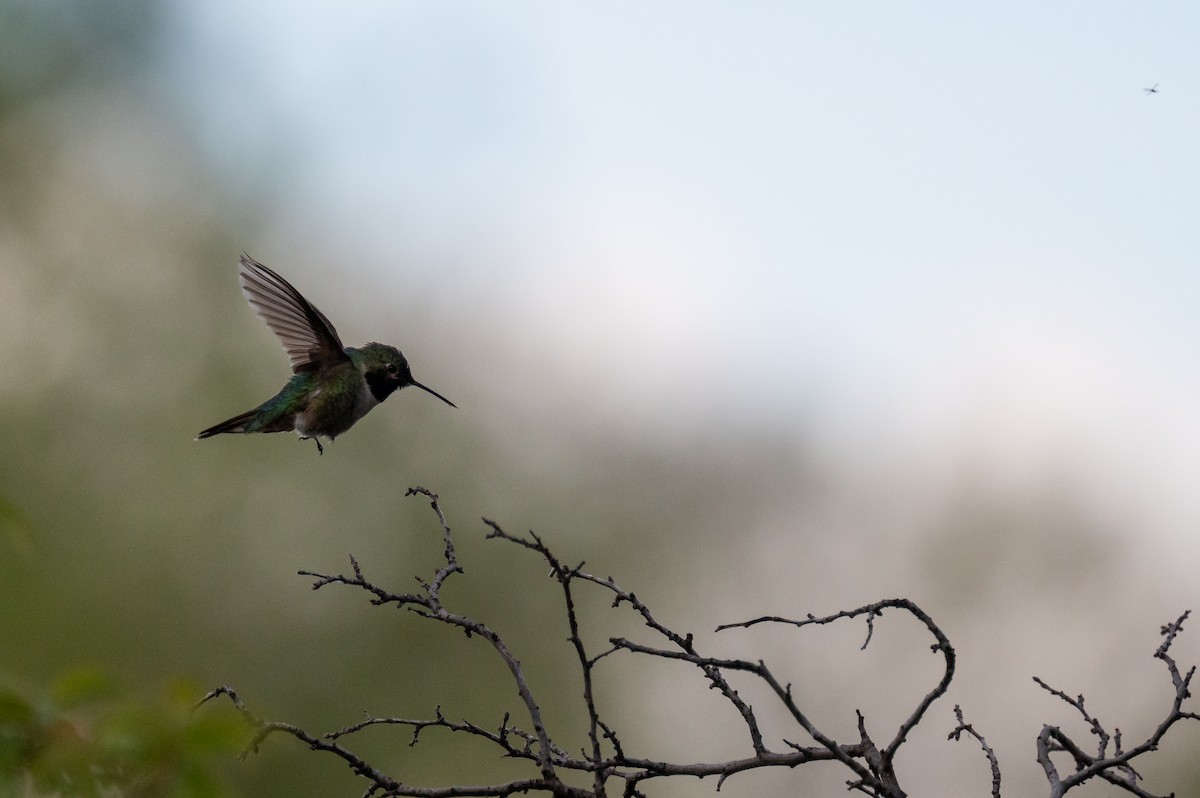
[928, 225]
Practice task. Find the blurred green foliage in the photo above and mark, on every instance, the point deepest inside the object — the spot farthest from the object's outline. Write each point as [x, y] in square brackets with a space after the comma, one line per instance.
[14, 531]
[86, 737]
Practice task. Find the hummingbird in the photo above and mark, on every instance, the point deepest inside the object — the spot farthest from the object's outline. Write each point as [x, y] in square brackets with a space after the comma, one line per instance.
[1152, 90]
[332, 386]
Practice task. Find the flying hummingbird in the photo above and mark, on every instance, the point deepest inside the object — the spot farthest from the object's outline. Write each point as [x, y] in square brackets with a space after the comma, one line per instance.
[332, 386]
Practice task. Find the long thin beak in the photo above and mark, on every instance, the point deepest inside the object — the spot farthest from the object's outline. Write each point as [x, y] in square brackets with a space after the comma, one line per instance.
[435, 393]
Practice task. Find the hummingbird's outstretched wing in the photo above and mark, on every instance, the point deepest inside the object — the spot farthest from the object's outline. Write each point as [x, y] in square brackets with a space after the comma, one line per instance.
[309, 339]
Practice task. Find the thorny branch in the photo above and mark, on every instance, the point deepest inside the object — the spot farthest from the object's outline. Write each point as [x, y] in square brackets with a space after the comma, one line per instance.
[605, 761]
[966, 728]
[1113, 766]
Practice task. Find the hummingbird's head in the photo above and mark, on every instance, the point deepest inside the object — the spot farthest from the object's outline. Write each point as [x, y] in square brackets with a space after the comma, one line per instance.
[386, 371]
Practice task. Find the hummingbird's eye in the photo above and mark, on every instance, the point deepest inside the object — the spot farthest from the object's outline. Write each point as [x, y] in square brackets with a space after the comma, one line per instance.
[391, 368]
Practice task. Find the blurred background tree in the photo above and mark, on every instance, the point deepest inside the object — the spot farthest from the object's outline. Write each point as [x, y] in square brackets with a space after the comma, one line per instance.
[130, 550]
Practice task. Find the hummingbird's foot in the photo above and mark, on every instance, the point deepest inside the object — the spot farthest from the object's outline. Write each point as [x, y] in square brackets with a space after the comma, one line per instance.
[320, 448]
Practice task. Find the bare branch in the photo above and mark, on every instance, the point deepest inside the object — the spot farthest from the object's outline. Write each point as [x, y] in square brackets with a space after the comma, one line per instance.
[1117, 768]
[430, 606]
[965, 728]
[870, 766]
[686, 646]
[263, 729]
[884, 768]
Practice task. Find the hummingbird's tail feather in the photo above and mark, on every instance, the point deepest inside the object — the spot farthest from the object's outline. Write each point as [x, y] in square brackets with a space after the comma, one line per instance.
[235, 424]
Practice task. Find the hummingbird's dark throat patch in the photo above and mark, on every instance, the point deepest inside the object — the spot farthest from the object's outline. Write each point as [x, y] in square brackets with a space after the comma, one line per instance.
[381, 384]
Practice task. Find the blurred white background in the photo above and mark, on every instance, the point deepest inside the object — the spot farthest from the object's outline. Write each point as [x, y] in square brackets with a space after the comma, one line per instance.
[920, 232]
